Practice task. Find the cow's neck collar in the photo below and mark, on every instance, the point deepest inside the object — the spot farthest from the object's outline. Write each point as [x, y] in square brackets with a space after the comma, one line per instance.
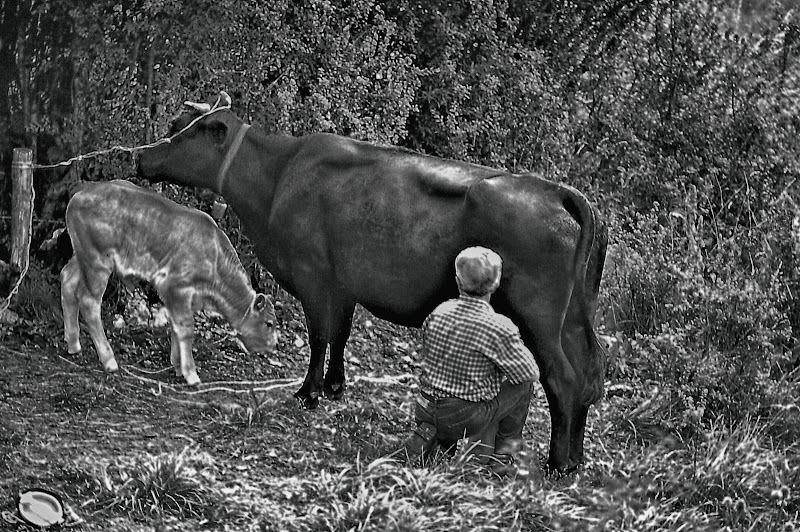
[234, 148]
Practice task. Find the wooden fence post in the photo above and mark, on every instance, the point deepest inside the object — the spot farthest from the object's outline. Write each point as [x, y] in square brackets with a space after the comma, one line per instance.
[21, 206]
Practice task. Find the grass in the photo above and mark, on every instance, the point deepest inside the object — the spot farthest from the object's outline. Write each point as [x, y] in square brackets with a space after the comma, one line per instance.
[130, 456]
[731, 480]
[174, 483]
[384, 495]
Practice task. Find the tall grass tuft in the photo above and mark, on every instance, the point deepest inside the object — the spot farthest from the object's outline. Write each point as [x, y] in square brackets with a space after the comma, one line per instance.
[38, 298]
[174, 483]
[386, 496]
[731, 478]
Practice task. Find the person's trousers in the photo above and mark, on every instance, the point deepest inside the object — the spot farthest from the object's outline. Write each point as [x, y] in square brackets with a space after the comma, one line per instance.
[491, 427]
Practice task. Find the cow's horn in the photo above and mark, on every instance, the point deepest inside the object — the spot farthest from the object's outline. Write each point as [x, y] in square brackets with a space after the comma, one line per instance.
[202, 107]
[224, 99]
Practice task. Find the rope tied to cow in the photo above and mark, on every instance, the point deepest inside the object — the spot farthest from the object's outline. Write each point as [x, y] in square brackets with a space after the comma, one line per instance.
[220, 105]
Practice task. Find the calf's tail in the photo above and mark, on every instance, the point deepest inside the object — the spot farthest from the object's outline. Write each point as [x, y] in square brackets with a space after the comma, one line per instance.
[57, 250]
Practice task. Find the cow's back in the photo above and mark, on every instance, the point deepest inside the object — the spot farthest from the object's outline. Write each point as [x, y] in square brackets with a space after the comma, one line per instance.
[137, 232]
[386, 223]
[378, 221]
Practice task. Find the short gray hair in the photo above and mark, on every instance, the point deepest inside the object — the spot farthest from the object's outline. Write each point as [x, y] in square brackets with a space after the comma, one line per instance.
[478, 270]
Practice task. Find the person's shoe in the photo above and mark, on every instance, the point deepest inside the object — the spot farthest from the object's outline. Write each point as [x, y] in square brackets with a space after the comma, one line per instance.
[420, 443]
[510, 446]
[502, 465]
[521, 466]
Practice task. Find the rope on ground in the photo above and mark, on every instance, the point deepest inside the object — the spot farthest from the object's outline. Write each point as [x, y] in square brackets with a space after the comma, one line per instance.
[216, 383]
[8, 517]
[227, 386]
[252, 386]
[11, 351]
[388, 379]
[68, 361]
[256, 386]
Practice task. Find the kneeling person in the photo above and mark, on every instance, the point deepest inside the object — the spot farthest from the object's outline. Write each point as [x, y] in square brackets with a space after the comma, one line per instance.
[477, 376]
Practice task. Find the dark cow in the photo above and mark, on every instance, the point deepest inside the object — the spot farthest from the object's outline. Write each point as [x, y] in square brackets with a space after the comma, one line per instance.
[339, 222]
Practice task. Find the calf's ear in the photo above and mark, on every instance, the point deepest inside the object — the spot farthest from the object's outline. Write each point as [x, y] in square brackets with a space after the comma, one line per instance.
[260, 303]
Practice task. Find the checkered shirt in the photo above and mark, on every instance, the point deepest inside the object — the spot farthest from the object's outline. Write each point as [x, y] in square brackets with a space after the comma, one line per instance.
[468, 349]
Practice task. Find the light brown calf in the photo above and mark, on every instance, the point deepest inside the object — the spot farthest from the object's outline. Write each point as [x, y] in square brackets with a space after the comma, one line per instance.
[119, 227]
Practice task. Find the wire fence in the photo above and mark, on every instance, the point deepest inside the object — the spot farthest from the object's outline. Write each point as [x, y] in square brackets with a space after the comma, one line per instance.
[222, 103]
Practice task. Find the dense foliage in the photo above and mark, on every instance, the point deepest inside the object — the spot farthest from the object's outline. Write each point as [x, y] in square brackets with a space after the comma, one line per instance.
[678, 118]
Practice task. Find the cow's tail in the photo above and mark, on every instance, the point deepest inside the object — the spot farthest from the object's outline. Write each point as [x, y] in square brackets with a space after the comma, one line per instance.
[581, 210]
[594, 274]
[587, 284]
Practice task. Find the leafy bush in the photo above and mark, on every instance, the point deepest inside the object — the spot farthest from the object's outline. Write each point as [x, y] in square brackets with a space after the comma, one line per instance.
[699, 325]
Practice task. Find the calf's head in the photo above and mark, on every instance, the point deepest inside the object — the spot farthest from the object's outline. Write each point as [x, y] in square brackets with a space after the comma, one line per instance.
[257, 330]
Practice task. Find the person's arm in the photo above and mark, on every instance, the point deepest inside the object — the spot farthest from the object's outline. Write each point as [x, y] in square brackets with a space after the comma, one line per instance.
[515, 360]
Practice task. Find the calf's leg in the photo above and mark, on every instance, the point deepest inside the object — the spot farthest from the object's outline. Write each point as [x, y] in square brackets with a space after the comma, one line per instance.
[175, 350]
[183, 332]
[178, 302]
[70, 278]
[90, 297]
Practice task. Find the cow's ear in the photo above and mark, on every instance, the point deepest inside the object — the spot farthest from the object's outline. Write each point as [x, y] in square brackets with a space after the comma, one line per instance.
[260, 303]
[222, 99]
[218, 130]
[199, 107]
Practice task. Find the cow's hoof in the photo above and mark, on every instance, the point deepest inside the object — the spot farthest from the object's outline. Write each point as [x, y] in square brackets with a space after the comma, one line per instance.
[335, 391]
[555, 473]
[306, 401]
[111, 366]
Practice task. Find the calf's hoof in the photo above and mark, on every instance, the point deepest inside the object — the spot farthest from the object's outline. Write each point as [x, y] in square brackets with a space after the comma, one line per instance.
[192, 379]
[111, 366]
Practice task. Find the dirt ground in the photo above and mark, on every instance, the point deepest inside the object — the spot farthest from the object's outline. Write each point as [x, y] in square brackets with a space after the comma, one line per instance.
[64, 422]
